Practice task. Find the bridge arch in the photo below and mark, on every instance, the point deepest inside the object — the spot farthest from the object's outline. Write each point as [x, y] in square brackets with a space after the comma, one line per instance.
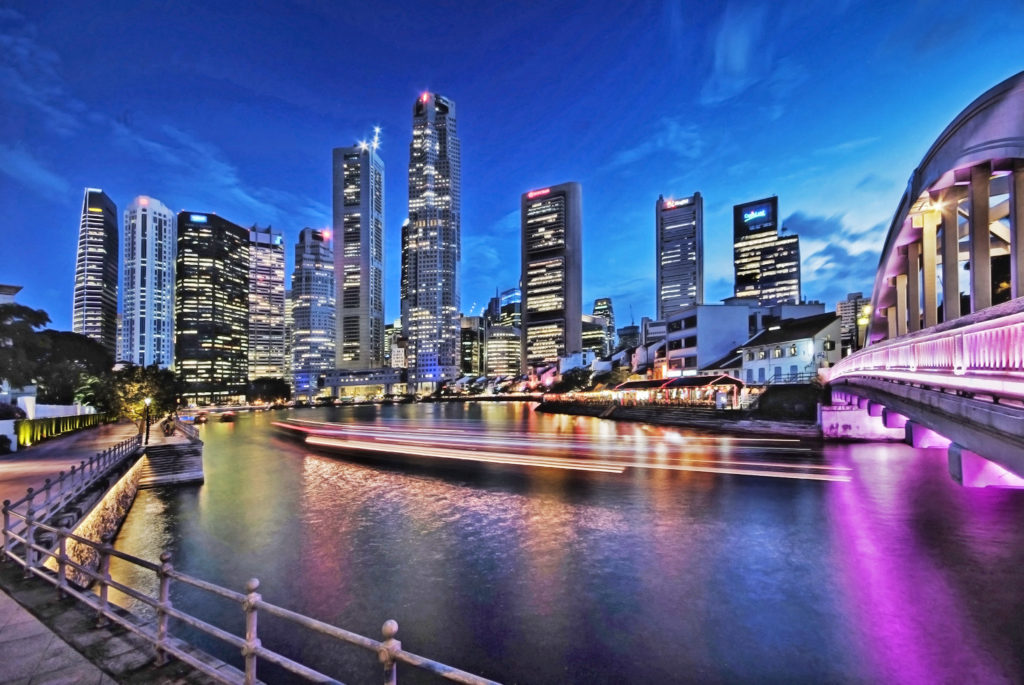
[960, 219]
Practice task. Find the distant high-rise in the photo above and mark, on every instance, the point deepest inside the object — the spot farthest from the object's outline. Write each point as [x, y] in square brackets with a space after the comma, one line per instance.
[359, 255]
[767, 263]
[504, 351]
[603, 308]
[147, 318]
[473, 355]
[595, 335]
[313, 310]
[211, 308]
[266, 303]
[850, 310]
[94, 312]
[431, 243]
[552, 273]
[679, 241]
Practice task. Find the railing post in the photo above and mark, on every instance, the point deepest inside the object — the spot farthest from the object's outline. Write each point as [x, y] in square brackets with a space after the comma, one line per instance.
[47, 485]
[30, 533]
[7, 528]
[388, 650]
[252, 642]
[164, 574]
[81, 472]
[104, 577]
[62, 564]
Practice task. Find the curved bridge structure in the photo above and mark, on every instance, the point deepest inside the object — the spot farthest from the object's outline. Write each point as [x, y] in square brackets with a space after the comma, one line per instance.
[944, 360]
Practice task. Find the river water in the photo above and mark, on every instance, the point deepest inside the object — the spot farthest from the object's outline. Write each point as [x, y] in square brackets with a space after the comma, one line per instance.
[680, 569]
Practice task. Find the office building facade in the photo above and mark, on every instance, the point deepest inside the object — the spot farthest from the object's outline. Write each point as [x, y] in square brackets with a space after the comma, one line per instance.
[358, 199]
[603, 308]
[94, 311]
[767, 263]
[266, 304]
[147, 315]
[431, 243]
[552, 273]
[313, 311]
[211, 309]
[679, 241]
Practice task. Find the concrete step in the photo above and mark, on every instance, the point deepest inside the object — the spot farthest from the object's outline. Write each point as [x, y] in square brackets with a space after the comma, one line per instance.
[172, 464]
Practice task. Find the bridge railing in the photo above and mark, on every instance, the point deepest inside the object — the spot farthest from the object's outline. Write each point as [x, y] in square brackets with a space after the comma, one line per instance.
[984, 357]
[34, 560]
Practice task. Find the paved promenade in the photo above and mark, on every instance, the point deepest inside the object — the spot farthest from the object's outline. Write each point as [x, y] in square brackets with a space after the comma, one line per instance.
[30, 652]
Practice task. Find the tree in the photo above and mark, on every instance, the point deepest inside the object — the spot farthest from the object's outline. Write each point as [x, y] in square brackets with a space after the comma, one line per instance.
[616, 376]
[123, 393]
[20, 344]
[68, 360]
[269, 389]
[573, 379]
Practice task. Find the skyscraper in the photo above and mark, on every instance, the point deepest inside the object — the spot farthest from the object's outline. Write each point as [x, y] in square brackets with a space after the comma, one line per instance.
[147, 317]
[552, 273]
[266, 303]
[603, 308]
[211, 308]
[767, 263]
[431, 243]
[94, 313]
[313, 310]
[359, 255]
[679, 229]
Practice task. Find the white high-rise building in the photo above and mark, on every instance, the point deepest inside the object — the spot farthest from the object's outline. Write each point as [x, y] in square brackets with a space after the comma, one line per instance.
[147, 317]
[94, 311]
[266, 303]
[431, 243]
[359, 255]
[679, 240]
[313, 310]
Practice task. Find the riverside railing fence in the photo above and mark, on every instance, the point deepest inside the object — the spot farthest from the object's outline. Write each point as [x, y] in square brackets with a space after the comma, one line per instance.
[23, 528]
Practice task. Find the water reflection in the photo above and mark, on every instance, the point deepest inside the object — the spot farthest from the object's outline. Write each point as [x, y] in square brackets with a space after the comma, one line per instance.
[892, 573]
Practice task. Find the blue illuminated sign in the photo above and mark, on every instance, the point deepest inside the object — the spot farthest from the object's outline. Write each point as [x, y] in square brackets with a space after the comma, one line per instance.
[197, 218]
[756, 213]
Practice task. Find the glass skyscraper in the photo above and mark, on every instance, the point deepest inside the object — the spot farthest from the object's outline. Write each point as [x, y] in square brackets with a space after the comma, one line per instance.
[313, 310]
[359, 255]
[211, 307]
[431, 243]
[552, 273]
[679, 240]
[94, 312]
[266, 303]
[767, 263]
[147, 315]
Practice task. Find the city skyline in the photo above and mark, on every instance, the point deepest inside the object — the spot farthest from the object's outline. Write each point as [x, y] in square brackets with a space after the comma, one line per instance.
[776, 116]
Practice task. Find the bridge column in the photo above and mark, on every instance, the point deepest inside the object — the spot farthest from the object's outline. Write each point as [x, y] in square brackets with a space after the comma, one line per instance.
[1017, 230]
[901, 304]
[913, 287]
[929, 253]
[922, 436]
[892, 419]
[950, 258]
[974, 471]
[978, 236]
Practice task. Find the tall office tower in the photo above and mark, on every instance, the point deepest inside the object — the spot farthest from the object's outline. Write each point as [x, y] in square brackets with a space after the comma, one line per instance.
[359, 255]
[95, 306]
[678, 236]
[504, 351]
[603, 308]
[552, 273]
[288, 319]
[431, 243]
[767, 263]
[266, 303]
[510, 308]
[211, 309]
[147, 316]
[595, 335]
[473, 351]
[313, 310]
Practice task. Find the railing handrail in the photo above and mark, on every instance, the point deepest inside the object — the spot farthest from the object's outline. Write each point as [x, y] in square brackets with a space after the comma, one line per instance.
[389, 651]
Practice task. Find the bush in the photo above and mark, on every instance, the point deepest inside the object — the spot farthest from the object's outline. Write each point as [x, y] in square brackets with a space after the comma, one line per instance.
[10, 411]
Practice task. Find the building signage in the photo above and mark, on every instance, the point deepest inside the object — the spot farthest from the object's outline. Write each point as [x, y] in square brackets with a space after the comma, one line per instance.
[197, 218]
[538, 193]
[672, 204]
[755, 213]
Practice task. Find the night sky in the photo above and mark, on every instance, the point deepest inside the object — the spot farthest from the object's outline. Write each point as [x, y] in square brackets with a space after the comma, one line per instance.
[234, 108]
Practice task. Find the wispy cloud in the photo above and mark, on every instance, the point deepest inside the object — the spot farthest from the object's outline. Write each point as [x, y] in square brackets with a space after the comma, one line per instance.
[31, 173]
[846, 146]
[837, 258]
[672, 136]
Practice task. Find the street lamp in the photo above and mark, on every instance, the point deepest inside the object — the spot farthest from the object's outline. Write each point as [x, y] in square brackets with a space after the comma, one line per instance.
[148, 401]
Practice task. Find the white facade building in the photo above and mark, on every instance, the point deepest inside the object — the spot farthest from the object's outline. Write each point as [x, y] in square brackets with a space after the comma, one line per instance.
[147, 317]
[793, 350]
[266, 304]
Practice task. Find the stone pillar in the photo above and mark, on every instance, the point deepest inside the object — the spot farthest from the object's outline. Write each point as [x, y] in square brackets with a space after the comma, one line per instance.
[890, 315]
[901, 304]
[978, 236]
[950, 259]
[1017, 230]
[929, 253]
[913, 287]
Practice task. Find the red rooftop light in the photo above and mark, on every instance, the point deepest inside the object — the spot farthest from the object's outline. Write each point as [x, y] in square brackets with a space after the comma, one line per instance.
[537, 193]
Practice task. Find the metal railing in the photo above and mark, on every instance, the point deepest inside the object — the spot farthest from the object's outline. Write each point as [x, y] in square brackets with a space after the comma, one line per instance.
[25, 523]
[986, 357]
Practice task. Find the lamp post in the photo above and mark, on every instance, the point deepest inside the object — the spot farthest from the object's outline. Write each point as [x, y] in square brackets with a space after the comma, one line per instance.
[148, 401]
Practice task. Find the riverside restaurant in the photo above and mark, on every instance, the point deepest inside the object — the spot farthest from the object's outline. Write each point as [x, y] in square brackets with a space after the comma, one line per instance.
[719, 392]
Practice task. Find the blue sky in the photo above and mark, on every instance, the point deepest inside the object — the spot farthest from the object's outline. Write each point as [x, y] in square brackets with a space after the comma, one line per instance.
[234, 108]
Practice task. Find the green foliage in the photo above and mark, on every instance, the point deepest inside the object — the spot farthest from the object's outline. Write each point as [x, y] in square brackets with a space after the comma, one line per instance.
[122, 393]
[67, 362]
[268, 389]
[573, 379]
[20, 345]
[616, 376]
